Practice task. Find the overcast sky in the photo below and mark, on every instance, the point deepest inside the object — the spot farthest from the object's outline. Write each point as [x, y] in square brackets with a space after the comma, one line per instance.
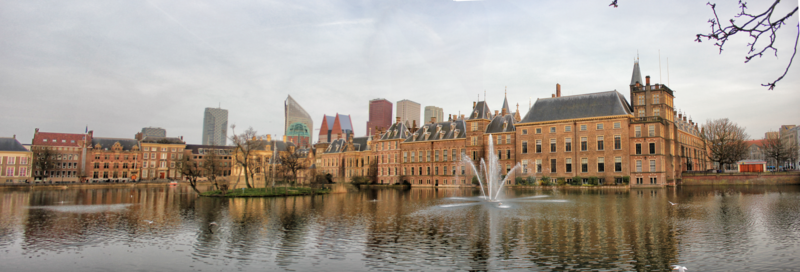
[118, 66]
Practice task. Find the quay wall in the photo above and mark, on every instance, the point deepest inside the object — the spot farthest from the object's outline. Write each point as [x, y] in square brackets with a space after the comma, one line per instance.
[766, 178]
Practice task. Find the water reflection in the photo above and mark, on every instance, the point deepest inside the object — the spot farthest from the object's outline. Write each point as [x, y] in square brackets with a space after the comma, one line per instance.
[710, 228]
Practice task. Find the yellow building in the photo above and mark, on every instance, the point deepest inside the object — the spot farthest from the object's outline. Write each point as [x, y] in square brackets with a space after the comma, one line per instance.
[15, 161]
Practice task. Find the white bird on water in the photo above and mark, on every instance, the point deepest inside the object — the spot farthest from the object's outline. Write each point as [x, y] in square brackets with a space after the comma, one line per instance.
[670, 202]
[148, 221]
[679, 268]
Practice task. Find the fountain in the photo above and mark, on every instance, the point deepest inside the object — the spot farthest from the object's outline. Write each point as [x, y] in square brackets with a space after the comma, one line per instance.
[491, 182]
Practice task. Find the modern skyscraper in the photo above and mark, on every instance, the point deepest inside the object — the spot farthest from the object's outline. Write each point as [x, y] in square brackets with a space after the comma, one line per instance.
[335, 127]
[154, 132]
[215, 126]
[408, 111]
[433, 111]
[298, 124]
[380, 115]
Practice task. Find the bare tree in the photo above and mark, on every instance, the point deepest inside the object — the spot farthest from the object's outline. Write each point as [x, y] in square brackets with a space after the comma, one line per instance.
[725, 140]
[212, 164]
[777, 149]
[755, 25]
[292, 163]
[192, 170]
[245, 145]
[44, 161]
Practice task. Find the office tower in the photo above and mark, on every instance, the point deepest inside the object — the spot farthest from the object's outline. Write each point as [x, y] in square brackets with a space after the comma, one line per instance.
[433, 111]
[380, 115]
[408, 111]
[215, 126]
[298, 124]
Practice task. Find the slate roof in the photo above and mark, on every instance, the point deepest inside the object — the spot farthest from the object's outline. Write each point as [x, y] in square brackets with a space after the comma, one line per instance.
[58, 139]
[361, 143]
[483, 111]
[11, 144]
[162, 140]
[496, 125]
[396, 131]
[505, 106]
[578, 106]
[107, 143]
[637, 75]
[196, 148]
[336, 146]
[280, 146]
[439, 131]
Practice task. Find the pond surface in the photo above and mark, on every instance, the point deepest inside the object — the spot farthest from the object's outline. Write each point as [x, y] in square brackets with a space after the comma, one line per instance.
[748, 228]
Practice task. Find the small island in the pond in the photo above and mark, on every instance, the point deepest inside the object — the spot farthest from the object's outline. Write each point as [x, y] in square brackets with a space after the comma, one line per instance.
[266, 192]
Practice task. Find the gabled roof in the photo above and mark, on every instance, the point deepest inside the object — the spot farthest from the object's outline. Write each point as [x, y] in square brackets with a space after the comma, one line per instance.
[336, 146]
[344, 121]
[328, 121]
[482, 110]
[396, 131]
[502, 124]
[58, 139]
[637, 75]
[578, 106]
[162, 140]
[11, 144]
[107, 143]
[439, 131]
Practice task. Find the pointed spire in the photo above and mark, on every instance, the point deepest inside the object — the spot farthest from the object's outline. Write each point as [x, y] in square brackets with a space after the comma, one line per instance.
[505, 108]
[637, 75]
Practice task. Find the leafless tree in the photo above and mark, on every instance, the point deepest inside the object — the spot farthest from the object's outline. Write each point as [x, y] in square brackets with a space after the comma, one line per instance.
[245, 145]
[755, 25]
[192, 170]
[292, 163]
[372, 171]
[212, 164]
[725, 140]
[777, 149]
[44, 161]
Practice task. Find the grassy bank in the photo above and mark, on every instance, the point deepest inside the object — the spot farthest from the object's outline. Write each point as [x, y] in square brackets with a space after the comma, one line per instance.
[267, 192]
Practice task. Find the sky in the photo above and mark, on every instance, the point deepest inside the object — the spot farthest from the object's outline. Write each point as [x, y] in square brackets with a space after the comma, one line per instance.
[119, 66]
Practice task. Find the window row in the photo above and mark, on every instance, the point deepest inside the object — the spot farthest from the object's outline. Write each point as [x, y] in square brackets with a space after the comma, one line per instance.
[599, 166]
[567, 144]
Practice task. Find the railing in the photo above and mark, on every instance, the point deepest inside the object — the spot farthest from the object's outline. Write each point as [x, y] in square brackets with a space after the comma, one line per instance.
[647, 119]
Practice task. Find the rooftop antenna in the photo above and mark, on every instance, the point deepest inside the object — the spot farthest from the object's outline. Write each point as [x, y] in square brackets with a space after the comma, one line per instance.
[668, 71]
[659, 66]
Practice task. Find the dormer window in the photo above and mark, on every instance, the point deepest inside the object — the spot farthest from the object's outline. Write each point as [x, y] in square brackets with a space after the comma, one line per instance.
[455, 133]
[505, 124]
[475, 115]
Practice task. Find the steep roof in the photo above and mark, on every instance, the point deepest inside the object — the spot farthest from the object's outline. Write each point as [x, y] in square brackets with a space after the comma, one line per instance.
[505, 105]
[396, 131]
[361, 143]
[162, 140]
[336, 146]
[578, 106]
[481, 111]
[502, 124]
[345, 123]
[637, 75]
[11, 144]
[107, 143]
[196, 148]
[58, 139]
[439, 131]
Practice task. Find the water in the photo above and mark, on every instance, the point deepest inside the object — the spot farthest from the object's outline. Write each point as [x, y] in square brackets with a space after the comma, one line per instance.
[748, 228]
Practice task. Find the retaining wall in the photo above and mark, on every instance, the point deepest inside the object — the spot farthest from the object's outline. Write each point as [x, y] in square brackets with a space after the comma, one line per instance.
[767, 178]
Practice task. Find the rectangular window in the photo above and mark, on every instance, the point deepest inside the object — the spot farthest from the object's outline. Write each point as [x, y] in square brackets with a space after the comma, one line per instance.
[427, 155]
[405, 157]
[420, 156]
[524, 166]
[524, 147]
[601, 164]
[655, 99]
[617, 142]
[508, 153]
[552, 129]
[474, 155]
[463, 169]
[656, 112]
[583, 127]
[524, 132]
[638, 149]
[584, 165]
[538, 130]
[568, 165]
[652, 148]
[508, 138]
[500, 139]
[641, 113]
[436, 155]
[552, 165]
[600, 143]
[651, 130]
[568, 144]
[552, 145]
[538, 146]
[567, 128]
[584, 143]
[445, 170]
[428, 170]
[444, 155]
[436, 170]
[474, 126]
[599, 126]
[652, 165]
[637, 131]
[638, 165]
[641, 99]
[538, 166]
[145, 156]
[618, 164]
[617, 125]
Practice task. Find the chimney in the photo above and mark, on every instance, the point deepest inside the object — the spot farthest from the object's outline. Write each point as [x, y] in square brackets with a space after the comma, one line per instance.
[284, 138]
[474, 104]
[15, 136]
[269, 137]
[397, 119]
[462, 117]
[680, 116]
[449, 117]
[496, 112]
[553, 95]
[181, 138]
[37, 130]
[647, 80]
[684, 118]
[558, 90]
[433, 120]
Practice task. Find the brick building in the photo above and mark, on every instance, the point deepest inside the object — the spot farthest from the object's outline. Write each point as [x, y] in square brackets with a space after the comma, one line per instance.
[67, 150]
[115, 159]
[15, 161]
[161, 158]
[387, 149]
[199, 153]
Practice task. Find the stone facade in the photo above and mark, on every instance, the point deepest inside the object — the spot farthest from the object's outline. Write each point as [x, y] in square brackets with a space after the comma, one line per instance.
[161, 158]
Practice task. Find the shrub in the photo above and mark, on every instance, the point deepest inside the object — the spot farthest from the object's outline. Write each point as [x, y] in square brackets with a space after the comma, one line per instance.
[593, 180]
[626, 180]
[475, 180]
[359, 180]
[531, 181]
[519, 181]
[545, 180]
[561, 181]
[577, 180]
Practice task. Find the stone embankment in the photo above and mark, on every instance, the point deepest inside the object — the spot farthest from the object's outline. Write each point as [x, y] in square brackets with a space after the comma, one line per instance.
[766, 178]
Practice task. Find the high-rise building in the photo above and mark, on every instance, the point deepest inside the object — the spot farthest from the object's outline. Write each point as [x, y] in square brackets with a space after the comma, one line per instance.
[215, 126]
[298, 124]
[433, 111]
[380, 115]
[408, 111]
[153, 132]
[335, 127]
